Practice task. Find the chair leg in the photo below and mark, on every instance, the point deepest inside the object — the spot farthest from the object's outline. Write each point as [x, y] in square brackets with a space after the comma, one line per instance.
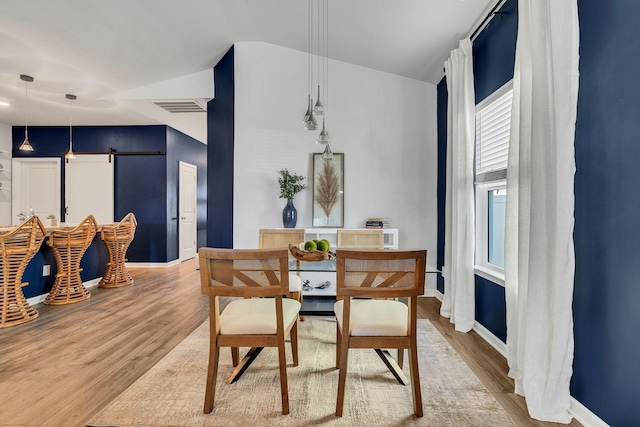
[338, 340]
[235, 356]
[400, 357]
[294, 343]
[342, 376]
[415, 379]
[284, 388]
[212, 374]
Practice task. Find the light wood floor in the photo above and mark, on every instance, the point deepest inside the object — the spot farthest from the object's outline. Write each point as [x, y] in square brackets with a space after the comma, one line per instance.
[63, 367]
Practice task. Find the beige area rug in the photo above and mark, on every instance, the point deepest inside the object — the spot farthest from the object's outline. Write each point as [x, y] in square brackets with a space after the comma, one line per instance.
[172, 392]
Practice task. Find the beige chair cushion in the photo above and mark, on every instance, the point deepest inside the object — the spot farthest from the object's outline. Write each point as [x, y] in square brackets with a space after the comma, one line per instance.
[295, 284]
[375, 318]
[256, 316]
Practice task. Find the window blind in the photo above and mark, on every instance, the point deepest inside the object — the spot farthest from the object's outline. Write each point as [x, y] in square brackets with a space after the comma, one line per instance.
[493, 123]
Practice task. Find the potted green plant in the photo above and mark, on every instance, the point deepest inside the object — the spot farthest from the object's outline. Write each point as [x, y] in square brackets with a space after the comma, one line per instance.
[290, 185]
[51, 220]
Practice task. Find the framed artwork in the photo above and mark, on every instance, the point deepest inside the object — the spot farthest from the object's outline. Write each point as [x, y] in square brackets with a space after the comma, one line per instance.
[328, 191]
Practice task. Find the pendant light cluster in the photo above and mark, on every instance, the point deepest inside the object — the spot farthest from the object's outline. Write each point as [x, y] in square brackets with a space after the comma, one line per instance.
[319, 109]
[26, 145]
[70, 155]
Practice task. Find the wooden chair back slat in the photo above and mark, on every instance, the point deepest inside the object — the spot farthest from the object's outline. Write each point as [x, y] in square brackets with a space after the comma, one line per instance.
[380, 273]
[271, 238]
[361, 239]
[252, 271]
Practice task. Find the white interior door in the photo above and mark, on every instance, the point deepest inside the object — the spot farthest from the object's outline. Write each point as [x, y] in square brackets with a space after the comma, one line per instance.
[187, 203]
[89, 189]
[35, 185]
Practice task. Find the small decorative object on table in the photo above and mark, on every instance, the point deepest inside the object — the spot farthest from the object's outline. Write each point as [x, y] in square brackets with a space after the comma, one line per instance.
[290, 185]
[315, 255]
[51, 220]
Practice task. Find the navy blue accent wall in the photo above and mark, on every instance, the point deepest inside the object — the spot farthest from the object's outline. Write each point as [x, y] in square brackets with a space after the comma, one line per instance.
[491, 310]
[607, 230]
[183, 148]
[607, 207]
[139, 180]
[494, 51]
[220, 135]
[443, 96]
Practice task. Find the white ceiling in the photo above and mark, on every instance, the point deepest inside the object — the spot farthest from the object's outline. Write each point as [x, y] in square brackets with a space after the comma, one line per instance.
[117, 55]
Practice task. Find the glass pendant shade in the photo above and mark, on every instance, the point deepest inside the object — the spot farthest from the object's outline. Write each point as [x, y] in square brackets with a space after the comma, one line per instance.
[308, 113]
[327, 154]
[311, 123]
[26, 145]
[70, 155]
[323, 138]
[318, 109]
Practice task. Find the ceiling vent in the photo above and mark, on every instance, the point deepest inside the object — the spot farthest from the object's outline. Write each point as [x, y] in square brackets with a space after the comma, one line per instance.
[182, 106]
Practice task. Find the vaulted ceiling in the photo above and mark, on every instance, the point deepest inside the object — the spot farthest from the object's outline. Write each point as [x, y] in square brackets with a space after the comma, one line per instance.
[119, 56]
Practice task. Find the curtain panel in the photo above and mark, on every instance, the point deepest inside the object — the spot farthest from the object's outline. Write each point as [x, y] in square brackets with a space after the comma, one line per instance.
[459, 241]
[539, 250]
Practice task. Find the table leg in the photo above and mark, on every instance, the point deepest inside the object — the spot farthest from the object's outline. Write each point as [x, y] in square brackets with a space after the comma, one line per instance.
[246, 361]
[393, 366]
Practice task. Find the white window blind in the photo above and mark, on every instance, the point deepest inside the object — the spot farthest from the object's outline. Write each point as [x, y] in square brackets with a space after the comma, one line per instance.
[493, 122]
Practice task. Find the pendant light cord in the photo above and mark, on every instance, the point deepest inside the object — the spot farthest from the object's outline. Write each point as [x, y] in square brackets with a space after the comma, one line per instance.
[26, 107]
[70, 125]
[309, 45]
[326, 74]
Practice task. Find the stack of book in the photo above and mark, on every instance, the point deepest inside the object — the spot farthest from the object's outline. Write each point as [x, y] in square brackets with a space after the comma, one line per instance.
[377, 223]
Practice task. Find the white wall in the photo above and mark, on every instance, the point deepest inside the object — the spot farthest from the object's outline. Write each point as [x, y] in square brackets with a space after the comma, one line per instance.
[5, 174]
[383, 123]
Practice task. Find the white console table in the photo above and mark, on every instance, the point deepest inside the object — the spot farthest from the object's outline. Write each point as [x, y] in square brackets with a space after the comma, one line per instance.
[331, 234]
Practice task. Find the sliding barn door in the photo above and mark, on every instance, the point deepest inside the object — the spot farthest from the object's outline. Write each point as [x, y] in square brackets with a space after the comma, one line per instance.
[89, 189]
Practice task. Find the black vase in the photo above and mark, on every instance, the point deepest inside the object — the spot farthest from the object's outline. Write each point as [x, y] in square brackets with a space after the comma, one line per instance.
[289, 215]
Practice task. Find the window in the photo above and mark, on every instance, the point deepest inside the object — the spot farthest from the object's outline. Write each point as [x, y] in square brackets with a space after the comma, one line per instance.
[493, 122]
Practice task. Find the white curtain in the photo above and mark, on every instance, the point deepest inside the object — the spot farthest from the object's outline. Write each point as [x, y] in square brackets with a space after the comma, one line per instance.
[539, 251]
[459, 238]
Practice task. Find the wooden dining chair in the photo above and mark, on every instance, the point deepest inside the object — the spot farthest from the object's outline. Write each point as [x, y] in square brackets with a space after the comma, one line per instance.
[360, 239]
[68, 248]
[278, 238]
[252, 320]
[17, 248]
[366, 314]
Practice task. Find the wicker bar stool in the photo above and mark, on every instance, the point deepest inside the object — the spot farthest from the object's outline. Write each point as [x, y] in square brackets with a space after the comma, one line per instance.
[68, 247]
[117, 239]
[17, 248]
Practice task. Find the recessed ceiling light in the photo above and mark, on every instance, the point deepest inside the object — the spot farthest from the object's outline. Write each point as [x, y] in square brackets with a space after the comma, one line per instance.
[4, 104]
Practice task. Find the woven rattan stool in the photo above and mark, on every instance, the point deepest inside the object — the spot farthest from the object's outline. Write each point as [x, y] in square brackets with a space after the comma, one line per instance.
[68, 247]
[117, 239]
[17, 248]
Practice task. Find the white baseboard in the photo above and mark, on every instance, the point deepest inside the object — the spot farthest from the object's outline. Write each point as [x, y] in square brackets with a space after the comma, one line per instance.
[584, 416]
[493, 341]
[580, 412]
[37, 299]
[40, 298]
[152, 264]
[434, 293]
